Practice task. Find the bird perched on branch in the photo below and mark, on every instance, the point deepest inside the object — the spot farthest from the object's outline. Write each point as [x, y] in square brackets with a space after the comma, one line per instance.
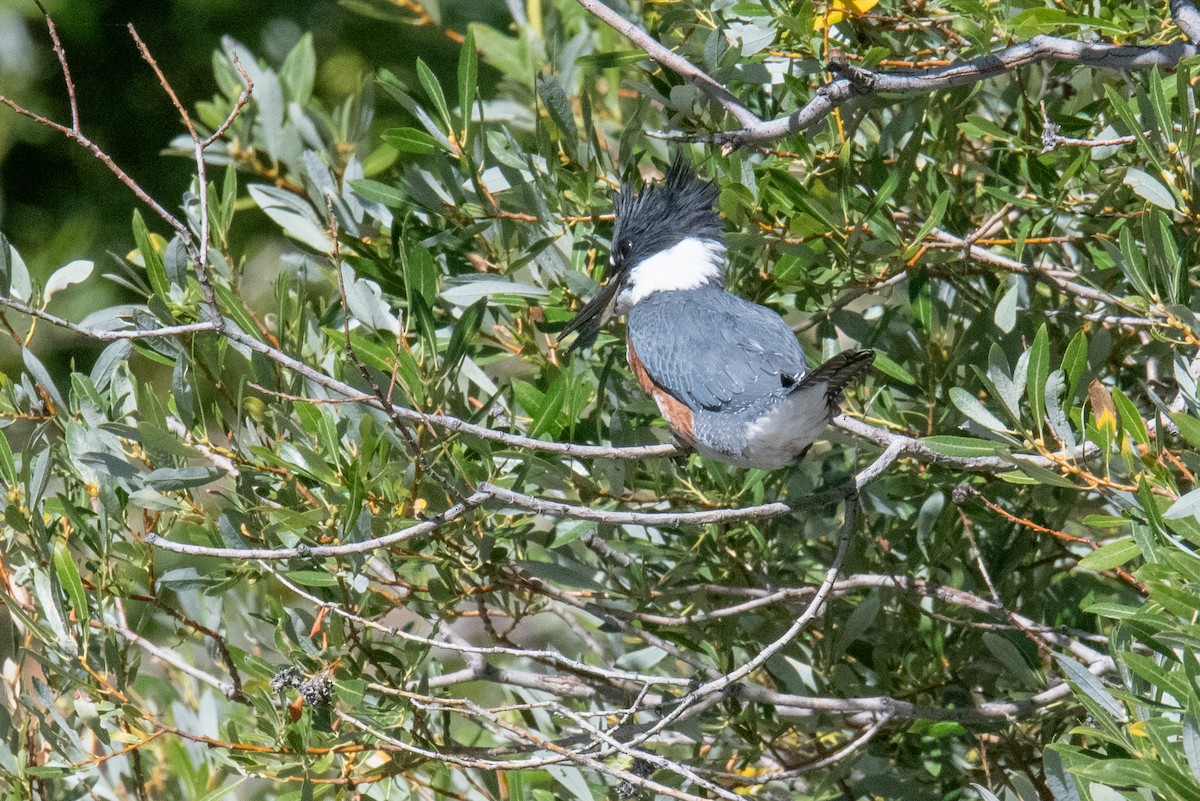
[728, 375]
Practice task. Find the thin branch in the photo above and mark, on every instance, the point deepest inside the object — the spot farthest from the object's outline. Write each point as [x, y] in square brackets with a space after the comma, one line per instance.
[169, 657]
[914, 448]
[238, 105]
[905, 446]
[700, 518]
[447, 422]
[319, 551]
[840, 755]
[672, 60]
[712, 691]
[622, 678]
[101, 334]
[198, 145]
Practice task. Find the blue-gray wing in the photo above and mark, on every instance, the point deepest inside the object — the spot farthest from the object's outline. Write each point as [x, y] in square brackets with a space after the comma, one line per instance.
[713, 350]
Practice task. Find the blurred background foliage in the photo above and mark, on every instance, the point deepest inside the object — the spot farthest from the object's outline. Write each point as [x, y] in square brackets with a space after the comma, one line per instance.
[1016, 617]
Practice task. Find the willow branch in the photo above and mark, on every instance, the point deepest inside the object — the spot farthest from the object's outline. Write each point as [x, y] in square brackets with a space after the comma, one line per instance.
[320, 551]
[855, 82]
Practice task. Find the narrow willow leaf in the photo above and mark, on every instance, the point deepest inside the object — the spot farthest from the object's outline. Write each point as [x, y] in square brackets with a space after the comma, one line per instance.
[1131, 418]
[156, 270]
[1091, 686]
[1074, 363]
[558, 105]
[1189, 427]
[68, 577]
[433, 89]
[41, 377]
[965, 447]
[299, 70]
[1150, 189]
[410, 140]
[72, 273]
[1114, 554]
[969, 405]
[377, 192]
[468, 78]
[1191, 743]
[1060, 424]
[932, 221]
[1187, 506]
[1062, 784]
[1039, 370]
[1010, 656]
[50, 609]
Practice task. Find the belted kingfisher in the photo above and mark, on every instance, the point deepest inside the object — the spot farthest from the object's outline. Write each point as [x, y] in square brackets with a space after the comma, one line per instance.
[728, 375]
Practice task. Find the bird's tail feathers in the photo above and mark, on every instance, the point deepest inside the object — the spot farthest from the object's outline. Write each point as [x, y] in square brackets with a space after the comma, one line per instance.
[838, 373]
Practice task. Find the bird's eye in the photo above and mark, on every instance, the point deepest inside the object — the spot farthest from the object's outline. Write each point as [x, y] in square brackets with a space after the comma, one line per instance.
[625, 249]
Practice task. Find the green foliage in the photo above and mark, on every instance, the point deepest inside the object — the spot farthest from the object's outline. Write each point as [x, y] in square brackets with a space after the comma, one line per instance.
[1017, 608]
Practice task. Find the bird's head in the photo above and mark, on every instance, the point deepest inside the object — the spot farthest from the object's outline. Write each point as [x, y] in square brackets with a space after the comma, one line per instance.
[667, 236]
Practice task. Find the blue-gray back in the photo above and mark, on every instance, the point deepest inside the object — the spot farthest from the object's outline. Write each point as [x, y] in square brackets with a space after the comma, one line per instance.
[713, 351]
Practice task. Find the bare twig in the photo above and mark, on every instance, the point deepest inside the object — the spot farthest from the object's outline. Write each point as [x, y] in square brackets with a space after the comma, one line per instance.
[711, 691]
[102, 335]
[75, 133]
[170, 657]
[321, 551]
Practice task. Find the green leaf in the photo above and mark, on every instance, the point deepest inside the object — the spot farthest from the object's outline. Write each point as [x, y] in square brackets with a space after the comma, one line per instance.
[465, 328]
[920, 299]
[49, 607]
[969, 405]
[1061, 783]
[1150, 189]
[421, 275]
[1090, 686]
[1059, 422]
[1187, 506]
[433, 89]
[932, 221]
[468, 77]
[376, 192]
[313, 578]
[299, 70]
[1074, 363]
[1039, 370]
[1005, 316]
[68, 577]
[8, 465]
[963, 447]
[156, 271]
[411, 140]
[559, 108]
[1114, 554]
[168, 479]
[1011, 658]
[886, 365]
[1043, 475]
[1191, 743]
[1131, 418]
[1189, 427]
[1171, 682]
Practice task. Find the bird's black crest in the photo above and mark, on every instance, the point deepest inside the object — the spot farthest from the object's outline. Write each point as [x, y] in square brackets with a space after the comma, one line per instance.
[648, 222]
[663, 215]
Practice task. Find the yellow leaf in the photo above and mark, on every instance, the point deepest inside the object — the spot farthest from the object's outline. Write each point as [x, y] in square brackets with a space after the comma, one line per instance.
[837, 10]
[1137, 728]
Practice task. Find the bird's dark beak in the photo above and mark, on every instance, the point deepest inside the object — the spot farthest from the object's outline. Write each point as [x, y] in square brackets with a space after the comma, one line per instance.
[595, 313]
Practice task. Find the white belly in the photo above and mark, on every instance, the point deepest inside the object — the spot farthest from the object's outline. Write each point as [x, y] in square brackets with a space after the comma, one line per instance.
[778, 438]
